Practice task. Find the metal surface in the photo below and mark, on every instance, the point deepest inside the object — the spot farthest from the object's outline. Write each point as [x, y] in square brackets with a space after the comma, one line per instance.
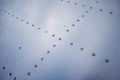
[59, 40]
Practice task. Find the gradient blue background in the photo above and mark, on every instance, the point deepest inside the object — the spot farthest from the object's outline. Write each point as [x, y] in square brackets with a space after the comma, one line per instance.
[97, 32]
